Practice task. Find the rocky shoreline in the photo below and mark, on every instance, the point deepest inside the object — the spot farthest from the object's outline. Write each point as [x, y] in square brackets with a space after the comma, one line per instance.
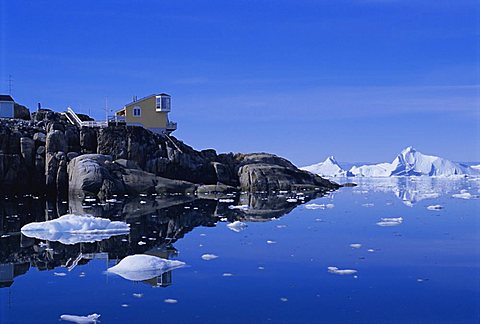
[48, 155]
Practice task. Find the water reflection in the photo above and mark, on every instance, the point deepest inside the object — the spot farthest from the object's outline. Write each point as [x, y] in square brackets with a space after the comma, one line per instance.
[156, 223]
[411, 190]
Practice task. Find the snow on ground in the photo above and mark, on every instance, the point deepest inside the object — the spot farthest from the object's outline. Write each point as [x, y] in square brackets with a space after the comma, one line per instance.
[72, 229]
[139, 267]
[237, 226]
[92, 318]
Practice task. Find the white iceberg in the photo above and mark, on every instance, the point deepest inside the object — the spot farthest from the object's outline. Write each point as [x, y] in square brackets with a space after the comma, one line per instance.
[237, 226]
[72, 229]
[327, 168]
[464, 195]
[410, 162]
[92, 318]
[140, 267]
[336, 270]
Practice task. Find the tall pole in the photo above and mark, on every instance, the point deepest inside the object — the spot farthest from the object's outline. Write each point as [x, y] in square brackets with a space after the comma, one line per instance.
[10, 84]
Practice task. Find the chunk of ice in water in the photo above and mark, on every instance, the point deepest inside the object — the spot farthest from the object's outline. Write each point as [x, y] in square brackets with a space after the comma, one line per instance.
[170, 301]
[139, 295]
[284, 299]
[237, 226]
[271, 242]
[92, 318]
[394, 221]
[59, 274]
[292, 200]
[208, 257]
[356, 245]
[227, 274]
[336, 270]
[435, 207]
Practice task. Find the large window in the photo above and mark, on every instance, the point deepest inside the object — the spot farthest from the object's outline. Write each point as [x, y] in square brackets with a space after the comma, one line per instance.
[137, 111]
[163, 103]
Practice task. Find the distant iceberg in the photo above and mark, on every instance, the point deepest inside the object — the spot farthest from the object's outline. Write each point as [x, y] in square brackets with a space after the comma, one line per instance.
[327, 168]
[73, 229]
[408, 163]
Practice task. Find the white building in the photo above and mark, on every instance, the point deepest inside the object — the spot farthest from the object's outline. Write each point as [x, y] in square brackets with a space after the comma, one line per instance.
[6, 106]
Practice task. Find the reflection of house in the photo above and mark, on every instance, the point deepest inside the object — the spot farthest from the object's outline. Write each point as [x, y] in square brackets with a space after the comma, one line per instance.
[6, 106]
[165, 279]
[8, 271]
[150, 112]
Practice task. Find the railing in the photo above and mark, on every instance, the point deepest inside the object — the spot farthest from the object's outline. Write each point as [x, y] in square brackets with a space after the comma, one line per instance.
[74, 119]
[171, 126]
[117, 119]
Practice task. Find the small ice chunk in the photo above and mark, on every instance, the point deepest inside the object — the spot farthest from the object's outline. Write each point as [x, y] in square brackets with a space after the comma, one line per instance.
[240, 207]
[464, 195]
[368, 205]
[227, 274]
[170, 301]
[394, 221]
[281, 226]
[237, 226]
[261, 268]
[370, 250]
[124, 305]
[329, 205]
[143, 202]
[141, 243]
[92, 318]
[140, 267]
[355, 245]
[292, 200]
[283, 299]
[139, 295]
[208, 257]
[315, 206]
[435, 207]
[59, 274]
[335, 270]
[271, 242]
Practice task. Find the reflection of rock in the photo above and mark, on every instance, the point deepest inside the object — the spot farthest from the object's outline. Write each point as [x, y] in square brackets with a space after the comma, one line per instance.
[156, 222]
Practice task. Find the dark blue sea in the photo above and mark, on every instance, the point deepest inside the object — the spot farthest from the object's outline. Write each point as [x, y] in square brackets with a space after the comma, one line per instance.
[417, 265]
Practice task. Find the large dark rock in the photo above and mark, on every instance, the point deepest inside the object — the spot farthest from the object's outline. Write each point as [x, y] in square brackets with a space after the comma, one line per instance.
[21, 112]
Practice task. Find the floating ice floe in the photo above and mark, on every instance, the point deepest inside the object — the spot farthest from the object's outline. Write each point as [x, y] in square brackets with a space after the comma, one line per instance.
[319, 206]
[464, 195]
[139, 295]
[227, 274]
[226, 200]
[140, 267]
[271, 242]
[208, 257]
[73, 229]
[434, 207]
[170, 301]
[237, 226]
[390, 221]
[284, 299]
[92, 318]
[59, 274]
[368, 205]
[355, 245]
[336, 270]
[241, 207]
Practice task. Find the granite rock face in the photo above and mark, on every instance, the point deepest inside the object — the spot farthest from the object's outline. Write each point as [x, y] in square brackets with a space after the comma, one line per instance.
[48, 155]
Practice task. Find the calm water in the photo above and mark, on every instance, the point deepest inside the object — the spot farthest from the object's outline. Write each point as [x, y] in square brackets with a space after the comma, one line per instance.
[425, 269]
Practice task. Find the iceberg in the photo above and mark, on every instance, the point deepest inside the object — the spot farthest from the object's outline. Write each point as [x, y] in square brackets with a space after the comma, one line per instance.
[410, 162]
[140, 267]
[327, 168]
[72, 229]
[92, 318]
[336, 270]
[390, 221]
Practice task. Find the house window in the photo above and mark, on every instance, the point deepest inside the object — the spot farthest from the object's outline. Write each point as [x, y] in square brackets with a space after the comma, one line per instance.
[137, 111]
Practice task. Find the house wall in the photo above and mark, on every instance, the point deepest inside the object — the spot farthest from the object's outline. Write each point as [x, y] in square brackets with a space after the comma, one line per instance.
[6, 109]
[149, 118]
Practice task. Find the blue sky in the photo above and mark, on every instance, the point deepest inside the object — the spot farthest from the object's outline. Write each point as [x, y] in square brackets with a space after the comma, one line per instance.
[304, 79]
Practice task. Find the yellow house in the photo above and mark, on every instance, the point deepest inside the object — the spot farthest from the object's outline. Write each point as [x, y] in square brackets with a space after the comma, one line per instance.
[150, 112]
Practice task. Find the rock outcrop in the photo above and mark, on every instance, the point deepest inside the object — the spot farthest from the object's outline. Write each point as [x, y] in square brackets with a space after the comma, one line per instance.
[48, 155]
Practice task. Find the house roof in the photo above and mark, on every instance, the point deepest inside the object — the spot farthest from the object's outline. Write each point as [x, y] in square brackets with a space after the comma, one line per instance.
[6, 98]
[144, 98]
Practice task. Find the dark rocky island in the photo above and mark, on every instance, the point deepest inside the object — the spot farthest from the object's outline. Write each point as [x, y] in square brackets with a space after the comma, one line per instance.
[48, 155]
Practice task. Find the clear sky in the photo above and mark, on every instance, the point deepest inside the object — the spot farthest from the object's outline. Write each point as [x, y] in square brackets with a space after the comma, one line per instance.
[304, 79]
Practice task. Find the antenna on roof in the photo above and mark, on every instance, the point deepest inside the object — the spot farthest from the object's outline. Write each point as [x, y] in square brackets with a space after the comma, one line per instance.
[106, 108]
[10, 80]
